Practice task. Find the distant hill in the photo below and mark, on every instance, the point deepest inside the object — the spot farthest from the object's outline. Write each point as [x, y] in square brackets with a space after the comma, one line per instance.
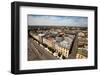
[48, 27]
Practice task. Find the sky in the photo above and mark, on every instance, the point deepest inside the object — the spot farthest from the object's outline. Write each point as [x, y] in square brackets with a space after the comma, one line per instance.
[57, 20]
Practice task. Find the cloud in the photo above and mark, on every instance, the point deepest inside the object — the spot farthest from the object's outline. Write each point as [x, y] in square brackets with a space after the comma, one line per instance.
[57, 20]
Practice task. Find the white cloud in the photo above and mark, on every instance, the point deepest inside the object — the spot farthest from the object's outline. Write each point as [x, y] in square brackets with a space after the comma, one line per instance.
[57, 20]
